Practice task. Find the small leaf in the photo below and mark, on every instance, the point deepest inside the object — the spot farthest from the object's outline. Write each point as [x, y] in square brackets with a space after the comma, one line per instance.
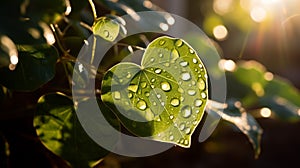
[106, 28]
[233, 112]
[36, 67]
[60, 131]
[165, 97]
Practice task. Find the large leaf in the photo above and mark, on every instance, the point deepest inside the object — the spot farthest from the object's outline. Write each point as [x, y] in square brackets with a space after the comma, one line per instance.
[60, 131]
[234, 113]
[164, 98]
[36, 67]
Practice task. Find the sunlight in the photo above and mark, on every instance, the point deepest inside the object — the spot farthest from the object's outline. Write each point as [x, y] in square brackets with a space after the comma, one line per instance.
[227, 65]
[265, 112]
[220, 32]
[222, 6]
[258, 14]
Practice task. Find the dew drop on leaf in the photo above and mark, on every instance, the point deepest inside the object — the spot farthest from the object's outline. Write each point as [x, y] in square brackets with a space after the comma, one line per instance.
[186, 111]
[186, 76]
[184, 63]
[141, 105]
[158, 71]
[117, 95]
[198, 102]
[203, 95]
[181, 126]
[175, 102]
[162, 42]
[165, 86]
[201, 84]
[179, 43]
[191, 92]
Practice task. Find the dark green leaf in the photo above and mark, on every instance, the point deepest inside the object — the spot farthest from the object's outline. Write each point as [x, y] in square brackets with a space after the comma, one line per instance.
[60, 131]
[36, 67]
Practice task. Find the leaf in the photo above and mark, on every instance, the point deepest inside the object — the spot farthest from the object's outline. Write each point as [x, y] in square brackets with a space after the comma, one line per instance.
[60, 131]
[254, 86]
[106, 28]
[234, 113]
[36, 67]
[165, 97]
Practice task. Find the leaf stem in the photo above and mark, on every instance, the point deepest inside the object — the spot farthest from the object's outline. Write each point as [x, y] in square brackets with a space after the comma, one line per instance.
[93, 9]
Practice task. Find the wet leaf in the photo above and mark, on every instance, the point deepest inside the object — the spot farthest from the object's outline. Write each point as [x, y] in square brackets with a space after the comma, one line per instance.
[36, 66]
[60, 131]
[106, 28]
[164, 97]
[234, 113]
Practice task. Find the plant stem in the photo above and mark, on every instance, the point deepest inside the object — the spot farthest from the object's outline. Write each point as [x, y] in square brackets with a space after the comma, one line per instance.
[93, 9]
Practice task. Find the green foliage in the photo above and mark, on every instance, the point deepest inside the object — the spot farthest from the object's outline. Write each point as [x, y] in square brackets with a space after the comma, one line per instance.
[167, 93]
[106, 28]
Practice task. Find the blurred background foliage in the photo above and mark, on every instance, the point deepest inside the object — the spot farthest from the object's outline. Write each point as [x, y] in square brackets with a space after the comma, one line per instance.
[257, 40]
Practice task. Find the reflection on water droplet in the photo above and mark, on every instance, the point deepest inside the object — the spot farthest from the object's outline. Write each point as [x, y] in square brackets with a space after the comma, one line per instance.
[143, 84]
[195, 61]
[203, 95]
[106, 33]
[184, 63]
[152, 59]
[198, 102]
[186, 76]
[130, 95]
[117, 95]
[200, 66]
[181, 126]
[174, 54]
[191, 92]
[158, 96]
[165, 86]
[201, 84]
[171, 137]
[153, 80]
[171, 117]
[162, 103]
[160, 55]
[133, 88]
[128, 75]
[178, 43]
[186, 111]
[192, 51]
[141, 105]
[157, 71]
[181, 99]
[180, 90]
[175, 102]
[197, 111]
[162, 42]
[187, 130]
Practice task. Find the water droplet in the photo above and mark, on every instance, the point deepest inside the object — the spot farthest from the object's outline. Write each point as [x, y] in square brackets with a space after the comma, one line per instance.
[162, 103]
[167, 64]
[184, 63]
[152, 86]
[121, 80]
[195, 61]
[171, 137]
[201, 84]
[203, 95]
[198, 102]
[128, 75]
[117, 95]
[165, 86]
[180, 90]
[175, 102]
[152, 59]
[197, 111]
[187, 130]
[154, 103]
[147, 94]
[192, 51]
[186, 111]
[200, 66]
[191, 92]
[186, 142]
[179, 43]
[143, 84]
[181, 99]
[158, 119]
[193, 83]
[195, 122]
[106, 33]
[157, 71]
[181, 126]
[130, 95]
[174, 54]
[158, 96]
[186, 76]
[153, 80]
[162, 42]
[141, 105]
[161, 55]
[171, 117]
[133, 88]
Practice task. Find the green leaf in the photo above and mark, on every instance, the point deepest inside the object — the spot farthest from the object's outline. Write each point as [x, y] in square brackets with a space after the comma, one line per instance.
[106, 28]
[36, 67]
[234, 113]
[164, 98]
[60, 131]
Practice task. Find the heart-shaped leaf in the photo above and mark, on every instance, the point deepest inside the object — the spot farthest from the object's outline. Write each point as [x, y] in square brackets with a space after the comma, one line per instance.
[164, 98]
[106, 28]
